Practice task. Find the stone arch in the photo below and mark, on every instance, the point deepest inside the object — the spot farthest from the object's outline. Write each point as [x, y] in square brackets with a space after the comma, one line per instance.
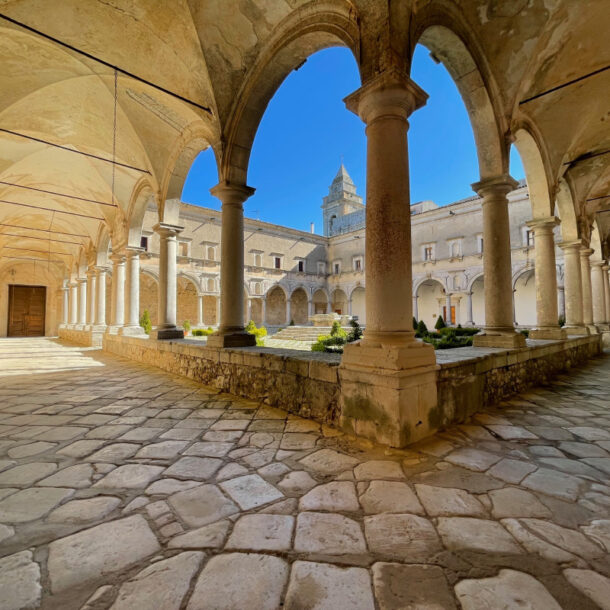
[524, 297]
[320, 300]
[477, 290]
[142, 196]
[149, 294]
[566, 211]
[305, 31]
[476, 277]
[210, 310]
[299, 306]
[276, 305]
[430, 295]
[442, 29]
[101, 245]
[339, 301]
[187, 299]
[358, 298]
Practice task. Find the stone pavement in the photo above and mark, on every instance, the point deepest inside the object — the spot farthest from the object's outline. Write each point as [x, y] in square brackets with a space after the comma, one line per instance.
[128, 488]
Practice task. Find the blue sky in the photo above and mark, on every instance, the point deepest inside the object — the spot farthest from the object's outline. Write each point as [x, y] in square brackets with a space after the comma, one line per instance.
[306, 130]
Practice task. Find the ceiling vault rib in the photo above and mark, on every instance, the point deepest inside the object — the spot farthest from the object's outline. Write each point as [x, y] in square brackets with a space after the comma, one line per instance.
[59, 241]
[570, 82]
[33, 188]
[41, 208]
[4, 224]
[587, 156]
[40, 251]
[105, 63]
[72, 150]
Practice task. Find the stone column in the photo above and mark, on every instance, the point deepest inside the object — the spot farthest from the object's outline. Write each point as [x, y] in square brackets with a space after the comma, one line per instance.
[117, 302]
[561, 302]
[587, 296]
[217, 311]
[448, 309]
[264, 310]
[349, 306]
[499, 330]
[469, 321]
[288, 310]
[388, 379]
[572, 283]
[457, 311]
[415, 309]
[597, 291]
[167, 328]
[82, 302]
[65, 317]
[606, 279]
[249, 316]
[547, 315]
[73, 303]
[92, 298]
[100, 310]
[132, 289]
[231, 331]
[200, 310]
[311, 307]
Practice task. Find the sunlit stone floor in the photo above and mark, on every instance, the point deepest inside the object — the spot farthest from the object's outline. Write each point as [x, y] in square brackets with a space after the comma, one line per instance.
[126, 487]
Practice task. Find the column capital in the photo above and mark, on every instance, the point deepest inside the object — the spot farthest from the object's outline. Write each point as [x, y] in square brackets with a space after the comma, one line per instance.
[167, 230]
[586, 252]
[543, 224]
[574, 245]
[133, 250]
[117, 258]
[498, 185]
[390, 93]
[606, 267]
[101, 269]
[598, 264]
[232, 194]
[81, 280]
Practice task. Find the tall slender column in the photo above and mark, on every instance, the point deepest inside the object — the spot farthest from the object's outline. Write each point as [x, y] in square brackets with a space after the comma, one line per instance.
[415, 308]
[499, 328]
[132, 293]
[200, 310]
[606, 279]
[231, 332]
[288, 310]
[597, 291]
[547, 315]
[311, 307]
[572, 283]
[100, 310]
[469, 321]
[66, 305]
[92, 298]
[264, 310]
[587, 296]
[388, 376]
[249, 316]
[457, 311]
[561, 302]
[117, 303]
[73, 303]
[448, 321]
[167, 328]
[217, 311]
[82, 301]
[349, 306]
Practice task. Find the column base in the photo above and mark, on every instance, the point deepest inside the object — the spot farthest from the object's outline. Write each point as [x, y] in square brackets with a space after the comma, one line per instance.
[602, 327]
[556, 334]
[98, 328]
[490, 338]
[228, 338]
[163, 334]
[592, 329]
[388, 393]
[113, 329]
[576, 330]
[132, 331]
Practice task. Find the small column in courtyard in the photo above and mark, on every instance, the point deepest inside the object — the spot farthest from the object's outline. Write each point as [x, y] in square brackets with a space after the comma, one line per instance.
[448, 321]
[469, 321]
[217, 311]
[572, 283]
[597, 292]
[132, 292]
[73, 303]
[499, 330]
[100, 310]
[82, 302]
[547, 315]
[264, 310]
[91, 297]
[168, 247]
[117, 304]
[249, 316]
[65, 313]
[200, 310]
[561, 302]
[606, 279]
[349, 306]
[457, 310]
[587, 295]
[288, 311]
[388, 378]
[415, 309]
[311, 308]
[231, 331]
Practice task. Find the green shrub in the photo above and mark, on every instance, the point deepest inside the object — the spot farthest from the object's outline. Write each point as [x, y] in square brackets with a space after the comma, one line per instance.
[356, 333]
[562, 321]
[414, 323]
[422, 329]
[203, 332]
[525, 332]
[440, 323]
[145, 322]
[259, 333]
[186, 325]
[291, 323]
[466, 332]
[337, 331]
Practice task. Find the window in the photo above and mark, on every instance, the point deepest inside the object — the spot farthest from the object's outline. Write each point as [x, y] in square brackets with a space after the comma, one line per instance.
[211, 253]
[428, 253]
[358, 263]
[144, 243]
[480, 244]
[183, 248]
[277, 262]
[337, 267]
[258, 260]
[301, 266]
[321, 267]
[211, 285]
[258, 289]
[455, 248]
[529, 238]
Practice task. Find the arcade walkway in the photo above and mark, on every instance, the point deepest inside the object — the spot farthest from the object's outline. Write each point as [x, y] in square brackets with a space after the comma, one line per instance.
[125, 487]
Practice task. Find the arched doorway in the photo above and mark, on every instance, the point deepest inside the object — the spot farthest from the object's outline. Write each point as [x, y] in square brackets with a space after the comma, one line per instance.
[359, 305]
[320, 302]
[299, 307]
[339, 302]
[525, 299]
[430, 301]
[149, 297]
[478, 302]
[276, 307]
[188, 301]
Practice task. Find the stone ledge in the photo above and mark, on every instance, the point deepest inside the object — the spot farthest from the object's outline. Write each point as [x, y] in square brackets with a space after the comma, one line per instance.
[88, 338]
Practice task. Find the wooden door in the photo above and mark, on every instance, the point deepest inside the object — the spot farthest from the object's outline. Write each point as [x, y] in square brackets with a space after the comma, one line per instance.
[26, 310]
[452, 314]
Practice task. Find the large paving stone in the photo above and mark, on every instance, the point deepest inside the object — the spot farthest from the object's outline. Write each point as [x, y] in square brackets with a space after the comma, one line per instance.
[209, 536]
[390, 497]
[251, 491]
[328, 461]
[553, 483]
[447, 502]
[77, 476]
[240, 580]
[297, 481]
[466, 534]
[23, 451]
[163, 450]
[99, 551]
[510, 589]
[338, 496]
[378, 469]
[400, 536]
[130, 476]
[197, 468]
[399, 586]
[513, 502]
[473, 459]
[84, 511]
[595, 586]
[19, 582]
[116, 452]
[511, 471]
[202, 505]
[31, 504]
[599, 530]
[320, 586]
[328, 534]
[26, 474]
[161, 585]
[262, 533]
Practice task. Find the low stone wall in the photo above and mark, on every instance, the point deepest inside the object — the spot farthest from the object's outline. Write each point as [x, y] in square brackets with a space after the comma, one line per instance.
[81, 337]
[467, 386]
[305, 383]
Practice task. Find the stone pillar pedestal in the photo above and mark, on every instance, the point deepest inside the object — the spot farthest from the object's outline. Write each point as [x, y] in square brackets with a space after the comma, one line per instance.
[587, 293]
[499, 330]
[167, 329]
[100, 310]
[547, 316]
[572, 283]
[231, 331]
[597, 292]
[132, 326]
[388, 378]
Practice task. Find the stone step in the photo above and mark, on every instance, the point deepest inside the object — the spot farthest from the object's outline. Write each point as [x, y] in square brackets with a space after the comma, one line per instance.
[305, 333]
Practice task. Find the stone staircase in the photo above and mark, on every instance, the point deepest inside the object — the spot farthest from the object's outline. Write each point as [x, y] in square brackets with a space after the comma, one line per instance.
[304, 333]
